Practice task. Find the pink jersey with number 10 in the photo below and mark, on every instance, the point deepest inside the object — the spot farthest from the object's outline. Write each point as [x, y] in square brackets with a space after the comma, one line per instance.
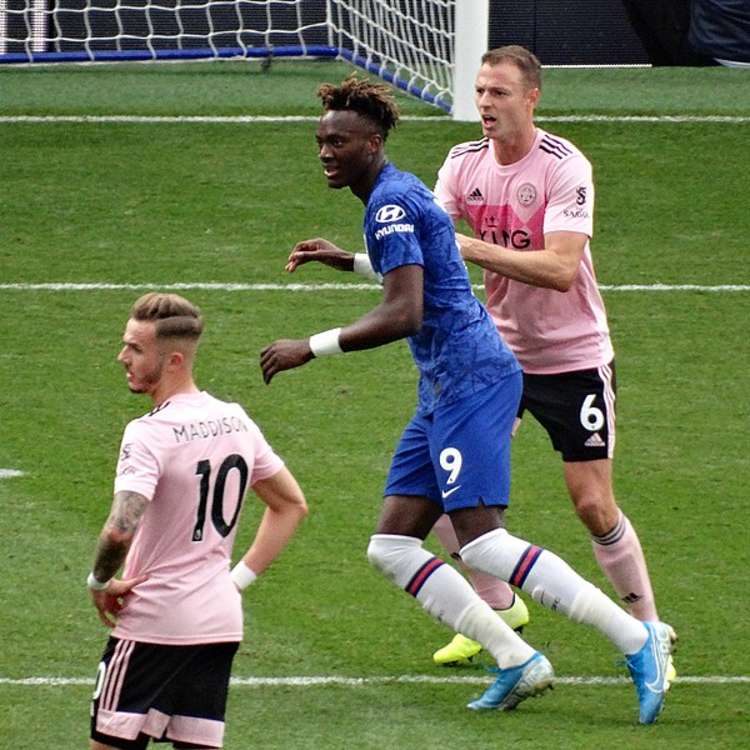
[515, 205]
[194, 457]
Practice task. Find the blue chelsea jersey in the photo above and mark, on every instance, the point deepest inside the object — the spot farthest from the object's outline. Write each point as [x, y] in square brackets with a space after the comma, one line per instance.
[458, 350]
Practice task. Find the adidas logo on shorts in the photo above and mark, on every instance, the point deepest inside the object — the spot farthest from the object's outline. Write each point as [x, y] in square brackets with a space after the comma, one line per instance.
[595, 441]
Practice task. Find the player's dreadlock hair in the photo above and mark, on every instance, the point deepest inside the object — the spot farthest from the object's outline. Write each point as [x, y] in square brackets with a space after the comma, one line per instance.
[173, 316]
[371, 100]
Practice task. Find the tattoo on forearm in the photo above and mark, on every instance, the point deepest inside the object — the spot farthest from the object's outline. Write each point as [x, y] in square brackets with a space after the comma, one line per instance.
[127, 510]
[109, 557]
[114, 542]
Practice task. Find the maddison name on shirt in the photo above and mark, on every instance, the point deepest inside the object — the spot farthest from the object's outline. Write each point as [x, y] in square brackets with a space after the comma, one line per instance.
[208, 429]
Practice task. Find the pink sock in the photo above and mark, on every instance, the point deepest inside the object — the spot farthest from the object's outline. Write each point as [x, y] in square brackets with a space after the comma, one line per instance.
[495, 592]
[620, 557]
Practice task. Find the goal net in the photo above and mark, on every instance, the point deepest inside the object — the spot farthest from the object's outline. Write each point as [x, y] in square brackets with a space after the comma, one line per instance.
[411, 43]
[407, 42]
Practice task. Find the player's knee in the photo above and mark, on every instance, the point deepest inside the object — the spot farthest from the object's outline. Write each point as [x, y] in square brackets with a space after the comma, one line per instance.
[391, 554]
[598, 512]
[587, 506]
[375, 552]
[495, 553]
[383, 550]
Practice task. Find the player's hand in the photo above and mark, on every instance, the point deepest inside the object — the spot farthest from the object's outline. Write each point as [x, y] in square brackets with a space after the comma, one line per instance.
[109, 602]
[322, 251]
[284, 355]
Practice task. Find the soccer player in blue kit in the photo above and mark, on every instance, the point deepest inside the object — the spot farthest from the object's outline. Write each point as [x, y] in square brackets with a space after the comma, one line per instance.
[454, 454]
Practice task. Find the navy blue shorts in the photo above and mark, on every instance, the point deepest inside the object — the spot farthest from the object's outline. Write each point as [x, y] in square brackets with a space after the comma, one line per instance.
[459, 456]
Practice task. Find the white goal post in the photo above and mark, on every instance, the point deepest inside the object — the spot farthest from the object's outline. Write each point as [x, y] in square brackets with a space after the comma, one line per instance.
[429, 48]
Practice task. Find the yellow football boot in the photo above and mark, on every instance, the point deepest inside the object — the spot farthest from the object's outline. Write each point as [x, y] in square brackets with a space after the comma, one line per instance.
[461, 650]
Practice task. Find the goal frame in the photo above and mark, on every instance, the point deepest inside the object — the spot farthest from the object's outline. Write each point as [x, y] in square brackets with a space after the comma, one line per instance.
[468, 43]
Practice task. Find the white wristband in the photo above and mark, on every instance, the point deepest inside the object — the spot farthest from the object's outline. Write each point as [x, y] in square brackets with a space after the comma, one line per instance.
[95, 584]
[325, 343]
[242, 576]
[363, 267]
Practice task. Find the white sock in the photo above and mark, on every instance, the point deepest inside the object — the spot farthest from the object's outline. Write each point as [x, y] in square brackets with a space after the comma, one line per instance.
[446, 595]
[479, 622]
[495, 592]
[554, 584]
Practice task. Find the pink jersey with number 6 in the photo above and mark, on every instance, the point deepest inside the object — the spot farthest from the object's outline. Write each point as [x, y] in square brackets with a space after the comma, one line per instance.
[515, 205]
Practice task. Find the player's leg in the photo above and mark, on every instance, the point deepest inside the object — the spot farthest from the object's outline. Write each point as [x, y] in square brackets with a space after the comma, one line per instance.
[497, 593]
[486, 546]
[411, 507]
[396, 550]
[200, 698]
[470, 449]
[120, 658]
[614, 541]
[179, 746]
[578, 411]
[149, 691]
[554, 584]
[584, 432]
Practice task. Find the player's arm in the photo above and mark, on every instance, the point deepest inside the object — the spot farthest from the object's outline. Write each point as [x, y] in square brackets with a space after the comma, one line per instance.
[117, 534]
[112, 547]
[323, 251]
[285, 509]
[554, 267]
[397, 316]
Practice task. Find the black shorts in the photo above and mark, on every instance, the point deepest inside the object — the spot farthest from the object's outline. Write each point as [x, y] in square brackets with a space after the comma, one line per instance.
[577, 409]
[148, 691]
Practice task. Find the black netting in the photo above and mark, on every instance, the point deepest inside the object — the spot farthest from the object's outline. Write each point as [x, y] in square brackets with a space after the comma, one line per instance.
[567, 32]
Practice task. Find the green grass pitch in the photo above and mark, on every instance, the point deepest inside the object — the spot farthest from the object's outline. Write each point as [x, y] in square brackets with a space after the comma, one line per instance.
[149, 204]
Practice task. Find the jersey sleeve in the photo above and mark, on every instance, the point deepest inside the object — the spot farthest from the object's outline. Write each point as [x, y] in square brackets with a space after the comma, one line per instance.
[266, 463]
[138, 467]
[570, 205]
[444, 190]
[391, 234]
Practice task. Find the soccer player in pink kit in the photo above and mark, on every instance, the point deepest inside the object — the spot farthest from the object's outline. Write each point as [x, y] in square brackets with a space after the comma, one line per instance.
[182, 475]
[529, 199]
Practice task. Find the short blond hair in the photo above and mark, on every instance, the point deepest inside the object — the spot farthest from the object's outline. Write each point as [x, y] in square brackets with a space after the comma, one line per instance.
[527, 62]
[172, 315]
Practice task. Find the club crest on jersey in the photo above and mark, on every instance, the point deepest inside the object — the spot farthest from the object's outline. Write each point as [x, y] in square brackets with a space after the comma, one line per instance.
[389, 213]
[526, 194]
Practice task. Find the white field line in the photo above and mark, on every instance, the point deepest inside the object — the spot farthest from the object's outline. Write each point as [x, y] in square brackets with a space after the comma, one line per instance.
[269, 287]
[10, 473]
[326, 680]
[251, 119]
